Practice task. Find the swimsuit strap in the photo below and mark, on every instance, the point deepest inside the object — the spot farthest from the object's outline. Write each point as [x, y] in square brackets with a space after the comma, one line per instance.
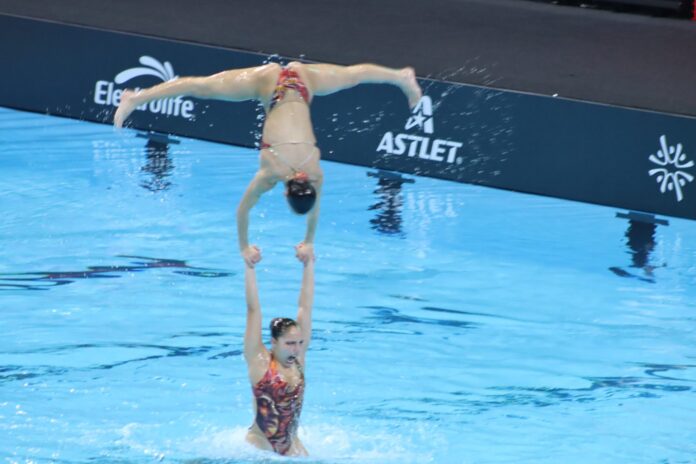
[296, 168]
[271, 145]
[273, 366]
[300, 368]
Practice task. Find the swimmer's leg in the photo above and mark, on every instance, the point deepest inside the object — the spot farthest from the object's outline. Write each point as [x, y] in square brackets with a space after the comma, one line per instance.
[328, 78]
[233, 85]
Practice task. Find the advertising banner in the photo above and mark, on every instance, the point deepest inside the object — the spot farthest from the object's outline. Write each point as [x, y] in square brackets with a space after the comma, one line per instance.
[629, 159]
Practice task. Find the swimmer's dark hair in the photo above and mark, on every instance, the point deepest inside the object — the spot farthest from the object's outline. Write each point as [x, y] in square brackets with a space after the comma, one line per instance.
[280, 325]
[301, 195]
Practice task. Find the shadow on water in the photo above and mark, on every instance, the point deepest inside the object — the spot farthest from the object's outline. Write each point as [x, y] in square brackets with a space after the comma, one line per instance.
[14, 373]
[158, 165]
[640, 240]
[45, 280]
[408, 297]
[384, 315]
[467, 313]
[389, 206]
[600, 388]
[457, 406]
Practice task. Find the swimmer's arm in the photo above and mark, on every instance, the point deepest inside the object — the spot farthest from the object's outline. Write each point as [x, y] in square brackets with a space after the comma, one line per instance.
[253, 343]
[313, 216]
[304, 314]
[234, 85]
[326, 79]
[260, 184]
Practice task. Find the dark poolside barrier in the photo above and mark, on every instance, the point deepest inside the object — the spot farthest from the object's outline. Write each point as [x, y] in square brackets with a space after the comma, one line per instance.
[682, 8]
[630, 159]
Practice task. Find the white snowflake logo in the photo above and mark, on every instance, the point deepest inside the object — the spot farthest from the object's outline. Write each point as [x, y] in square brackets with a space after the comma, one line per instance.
[151, 67]
[668, 179]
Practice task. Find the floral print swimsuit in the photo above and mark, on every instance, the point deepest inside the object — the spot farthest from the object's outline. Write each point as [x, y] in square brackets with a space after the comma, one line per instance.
[278, 407]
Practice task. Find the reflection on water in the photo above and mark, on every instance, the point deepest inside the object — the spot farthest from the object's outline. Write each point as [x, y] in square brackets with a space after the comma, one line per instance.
[389, 205]
[640, 240]
[42, 280]
[158, 165]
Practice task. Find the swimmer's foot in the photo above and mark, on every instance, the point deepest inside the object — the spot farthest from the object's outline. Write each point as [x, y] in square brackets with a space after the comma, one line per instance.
[410, 86]
[125, 107]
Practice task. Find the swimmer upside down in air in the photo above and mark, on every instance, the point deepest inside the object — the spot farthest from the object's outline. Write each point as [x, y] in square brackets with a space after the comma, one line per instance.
[288, 149]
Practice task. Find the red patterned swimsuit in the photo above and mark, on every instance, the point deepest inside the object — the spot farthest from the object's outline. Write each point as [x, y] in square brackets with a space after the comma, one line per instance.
[289, 79]
[278, 407]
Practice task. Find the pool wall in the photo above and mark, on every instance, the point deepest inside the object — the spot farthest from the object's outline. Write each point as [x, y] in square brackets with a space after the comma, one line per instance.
[626, 158]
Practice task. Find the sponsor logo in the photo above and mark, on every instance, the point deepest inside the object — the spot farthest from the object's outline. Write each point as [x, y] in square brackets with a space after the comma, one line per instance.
[421, 146]
[422, 116]
[670, 174]
[106, 93]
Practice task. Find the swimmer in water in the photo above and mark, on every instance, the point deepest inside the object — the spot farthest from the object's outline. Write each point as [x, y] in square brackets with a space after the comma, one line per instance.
[288, 149]
[277, 376]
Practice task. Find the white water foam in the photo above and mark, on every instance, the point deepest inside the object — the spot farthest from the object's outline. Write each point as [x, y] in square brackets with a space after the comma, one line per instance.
[326, 443]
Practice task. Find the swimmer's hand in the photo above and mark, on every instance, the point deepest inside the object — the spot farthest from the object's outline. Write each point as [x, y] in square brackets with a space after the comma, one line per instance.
[305, 252]
[410, 87]
[125, 108]
[251, 255]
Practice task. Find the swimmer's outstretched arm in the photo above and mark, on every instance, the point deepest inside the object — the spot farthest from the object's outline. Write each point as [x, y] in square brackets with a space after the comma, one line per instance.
[313, 215]
[234, 85]
[305, 253]
[327, 78]
[253, 342]
[260, 184]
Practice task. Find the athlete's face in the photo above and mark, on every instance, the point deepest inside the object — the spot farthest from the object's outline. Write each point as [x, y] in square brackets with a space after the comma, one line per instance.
[288, 346]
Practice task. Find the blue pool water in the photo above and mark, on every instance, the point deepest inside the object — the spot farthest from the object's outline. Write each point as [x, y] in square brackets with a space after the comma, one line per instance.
[453, 323]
